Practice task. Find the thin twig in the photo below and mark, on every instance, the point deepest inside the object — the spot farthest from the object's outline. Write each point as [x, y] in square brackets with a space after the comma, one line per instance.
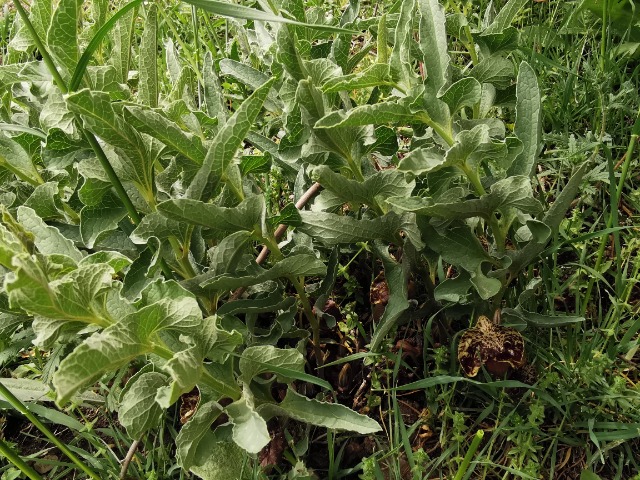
[262, 256]
[128, 458]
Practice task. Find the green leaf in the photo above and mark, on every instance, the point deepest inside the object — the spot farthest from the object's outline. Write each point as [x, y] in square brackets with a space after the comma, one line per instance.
[186, 366]
[99, 117]
[473, 146]
[194, 430]
[332, 229]
[121, 23]
[427, 383]
[559, 208]
[213, 92]
[226, 143]
[376, 75]
[15, 159]
[541, 321]
[296, 265]
[288, 53]
[40, 14]
[158, 126]
[115, 260]
[122, 40]
[528, 121]
[464, 93]
[505, 17]
[62, 37]
[329, 415]
[453, 290]
[433, 43]
[504, 42]
[380, 113]
[496, 70]
[95, 220]
[10, 246]
[252, 78]
[45, 201]
[122, 342]
[147, 60]
[289, 215]
[540, 235]
[158, 226]
[239, 11]
[458, 246]
[513, 192]
[397, 277]
[421, 161]
[380, 185]
[250, 215]
[271, 303]
[400, 59]
[138, 411]
[255, 164]
[76, 296]
[217, 459]
[249, 428]
[55, 114]
[225, 256]
[28, 390]
[257, 360]
[47, 239]
[141, 273]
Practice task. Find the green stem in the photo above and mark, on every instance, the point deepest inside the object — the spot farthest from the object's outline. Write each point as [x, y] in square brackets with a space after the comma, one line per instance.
[313, 321]
[355, 168]
[196, 40]
[444, 133]
[19, 406]
[474, 179]
[603, 40]
[499, 236]
[609, 223]
[182, 256]
[470, 44]
[113, 177]
[14, 458]
[475, 443]
[635, 131]
[272, 245]
[34, 182]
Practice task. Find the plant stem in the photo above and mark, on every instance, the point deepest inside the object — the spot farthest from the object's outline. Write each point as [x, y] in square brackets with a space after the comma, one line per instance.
[128, 458]
[19, 406]
[475, 443]
[635, 131]
[474, 179]
[14, 458]
[470, 44]
[313, 321]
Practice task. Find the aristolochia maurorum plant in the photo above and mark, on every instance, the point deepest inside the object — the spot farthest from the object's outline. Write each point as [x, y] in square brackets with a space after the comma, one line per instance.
[131, 213]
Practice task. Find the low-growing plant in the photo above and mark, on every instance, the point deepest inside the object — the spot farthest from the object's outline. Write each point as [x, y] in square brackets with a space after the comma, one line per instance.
[135, 191]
